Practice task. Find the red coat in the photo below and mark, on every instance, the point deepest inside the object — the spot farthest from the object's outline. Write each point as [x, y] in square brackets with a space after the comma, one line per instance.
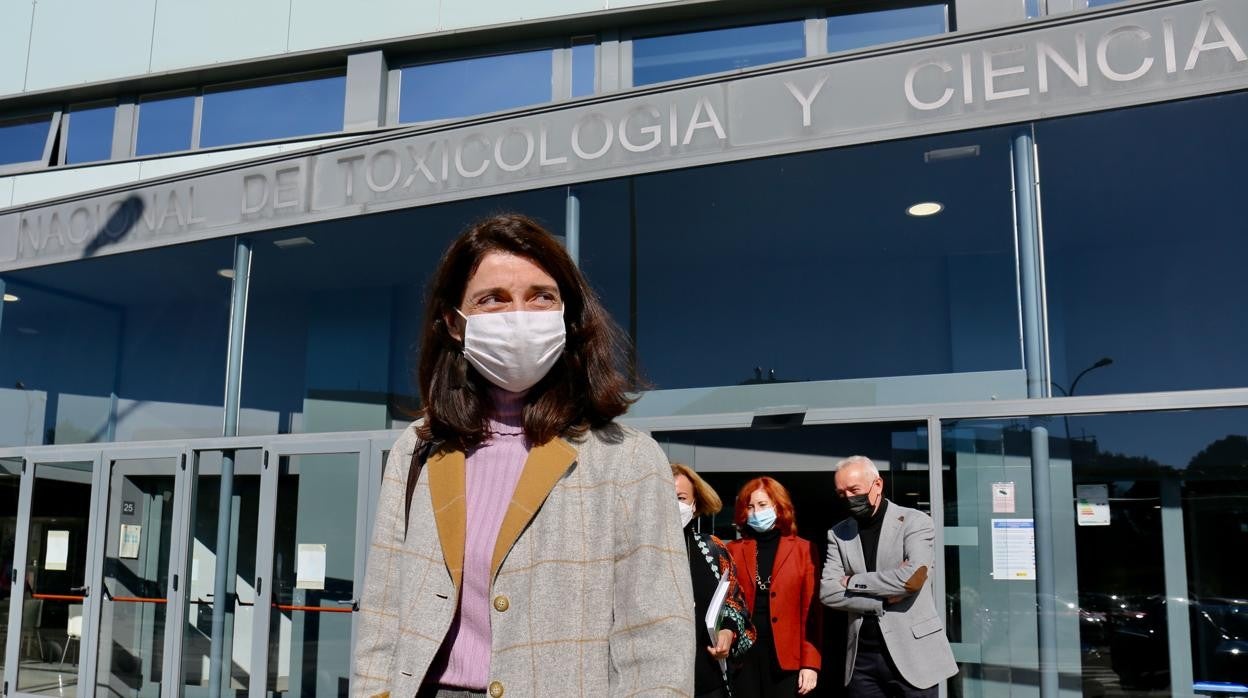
[796, 615]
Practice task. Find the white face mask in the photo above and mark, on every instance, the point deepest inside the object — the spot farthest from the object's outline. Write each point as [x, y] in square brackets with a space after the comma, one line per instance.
[514, 350]
[686, 513]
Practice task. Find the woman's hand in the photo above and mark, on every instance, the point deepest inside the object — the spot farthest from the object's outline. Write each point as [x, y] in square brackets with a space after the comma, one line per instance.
[806, 680]
[723, 643]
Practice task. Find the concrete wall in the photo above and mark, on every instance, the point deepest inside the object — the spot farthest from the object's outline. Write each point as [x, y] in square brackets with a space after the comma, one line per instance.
[55, 44]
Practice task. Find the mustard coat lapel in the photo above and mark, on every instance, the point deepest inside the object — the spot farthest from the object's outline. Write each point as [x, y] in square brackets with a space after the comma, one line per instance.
[542, 469]
[450, 507]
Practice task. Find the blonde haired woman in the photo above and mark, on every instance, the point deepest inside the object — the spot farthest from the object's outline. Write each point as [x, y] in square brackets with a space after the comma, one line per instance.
[709, 562]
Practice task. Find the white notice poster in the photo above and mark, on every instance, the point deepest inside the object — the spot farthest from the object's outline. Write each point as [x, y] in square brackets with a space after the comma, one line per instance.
[310, 564]
[1003, 498]
[1092, 505]
[1013, 549]
[131, 534]
[56, 553]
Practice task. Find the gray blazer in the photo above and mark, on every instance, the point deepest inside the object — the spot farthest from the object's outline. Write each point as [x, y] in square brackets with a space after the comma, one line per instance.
[912, 629]
[591, 590]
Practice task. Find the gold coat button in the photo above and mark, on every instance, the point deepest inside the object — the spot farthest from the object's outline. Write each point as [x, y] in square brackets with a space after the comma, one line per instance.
[496, 687]
[501, 604]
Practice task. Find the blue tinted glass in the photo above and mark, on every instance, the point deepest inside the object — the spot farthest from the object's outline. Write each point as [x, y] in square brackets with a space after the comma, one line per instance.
[280, 110]
[1098, 3]
[583, 70]
[90, 135]
[474, 86]
[846, 32]
[23, 141]
[675, 56]
[165, 125]
[1144, 247]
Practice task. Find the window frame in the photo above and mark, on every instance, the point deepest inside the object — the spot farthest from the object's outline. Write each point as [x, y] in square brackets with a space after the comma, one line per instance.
[50, 139]
[66, 123]
[560, 81]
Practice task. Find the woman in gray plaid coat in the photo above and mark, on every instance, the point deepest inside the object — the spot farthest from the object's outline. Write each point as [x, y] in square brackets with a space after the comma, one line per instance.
[542, 554]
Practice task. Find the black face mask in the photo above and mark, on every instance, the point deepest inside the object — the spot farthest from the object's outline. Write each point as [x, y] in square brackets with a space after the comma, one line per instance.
[860, 506]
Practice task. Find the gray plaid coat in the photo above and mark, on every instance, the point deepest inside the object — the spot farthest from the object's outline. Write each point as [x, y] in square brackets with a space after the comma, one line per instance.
[591, 587]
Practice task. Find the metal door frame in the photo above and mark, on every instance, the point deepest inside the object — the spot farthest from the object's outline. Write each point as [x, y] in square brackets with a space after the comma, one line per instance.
[274, 451]
[174, 603]
[21, 548]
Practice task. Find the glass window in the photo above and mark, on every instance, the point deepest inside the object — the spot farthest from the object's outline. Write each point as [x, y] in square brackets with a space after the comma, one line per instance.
[583, 69]
[454, 89]
[278, 110]
[675, 56]
[1143, 247]
[860, 29]
[807, 267]
[333, 326]
[1099, 3]
[90, 135]
[1138, 499]
[23, 140]
[125, 347]
[10, 485]
[165, 125]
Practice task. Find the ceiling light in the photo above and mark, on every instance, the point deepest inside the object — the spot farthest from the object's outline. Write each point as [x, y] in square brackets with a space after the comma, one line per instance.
[226, 273]
[10, 298]
[288, 243]
[925, 208]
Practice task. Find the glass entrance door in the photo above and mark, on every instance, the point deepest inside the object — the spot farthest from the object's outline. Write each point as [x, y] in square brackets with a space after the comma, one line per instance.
[312, 541]
[51, 566]
[137, 588]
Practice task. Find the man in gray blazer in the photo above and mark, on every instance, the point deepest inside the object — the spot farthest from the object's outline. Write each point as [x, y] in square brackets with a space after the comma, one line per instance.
[878, 570]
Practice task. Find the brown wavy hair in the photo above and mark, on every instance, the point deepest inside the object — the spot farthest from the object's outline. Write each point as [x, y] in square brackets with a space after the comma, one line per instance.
[585, 389]
[786, 517]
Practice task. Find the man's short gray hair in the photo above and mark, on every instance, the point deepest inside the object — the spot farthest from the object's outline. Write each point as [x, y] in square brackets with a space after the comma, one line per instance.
[863, 462]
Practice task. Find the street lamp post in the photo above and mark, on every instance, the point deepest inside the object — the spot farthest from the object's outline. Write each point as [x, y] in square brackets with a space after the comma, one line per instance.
[1100, 363]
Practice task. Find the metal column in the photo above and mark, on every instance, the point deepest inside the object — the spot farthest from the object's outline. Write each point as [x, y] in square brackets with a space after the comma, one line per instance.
[572, 226]
[1178, 613]
[219, 665]
[1035, 360]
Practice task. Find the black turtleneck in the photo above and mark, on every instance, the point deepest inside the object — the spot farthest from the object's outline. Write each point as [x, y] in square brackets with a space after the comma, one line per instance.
[869, 637]
[768, 542]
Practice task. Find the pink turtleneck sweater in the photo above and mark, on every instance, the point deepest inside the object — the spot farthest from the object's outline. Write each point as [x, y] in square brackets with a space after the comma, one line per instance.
[492, 471]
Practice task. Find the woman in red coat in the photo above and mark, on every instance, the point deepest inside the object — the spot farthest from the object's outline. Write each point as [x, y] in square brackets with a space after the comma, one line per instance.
[777, 572]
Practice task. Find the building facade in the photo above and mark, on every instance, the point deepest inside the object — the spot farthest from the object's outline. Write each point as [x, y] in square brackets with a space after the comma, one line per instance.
[994, 245]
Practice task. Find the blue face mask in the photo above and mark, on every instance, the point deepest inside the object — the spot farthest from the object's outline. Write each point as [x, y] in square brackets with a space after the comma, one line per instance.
[762, 520]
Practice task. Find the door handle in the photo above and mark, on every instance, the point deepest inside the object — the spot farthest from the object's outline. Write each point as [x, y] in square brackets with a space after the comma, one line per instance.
[353, 603]
[83, 590]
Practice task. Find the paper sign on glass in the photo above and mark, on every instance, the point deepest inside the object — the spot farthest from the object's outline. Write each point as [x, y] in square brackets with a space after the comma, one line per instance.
[131, 534]
[1003, 498]
[1013, 549]
[56, 554]
[1092, 505]
[310, 564]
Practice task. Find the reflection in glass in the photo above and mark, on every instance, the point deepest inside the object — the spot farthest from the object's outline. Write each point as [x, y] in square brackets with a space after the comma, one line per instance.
[23, 140]
[165, 125]
[583, 69]
[313, 576]
[806, 267]
[56, 568]
[675, 56]
[278, 110]
[333, 326]
[861, 29]
[124, 347]
[202, 556]
[471, 86]
[1144, 247]
[90, 134]
[1141, 502]
[136, 575]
